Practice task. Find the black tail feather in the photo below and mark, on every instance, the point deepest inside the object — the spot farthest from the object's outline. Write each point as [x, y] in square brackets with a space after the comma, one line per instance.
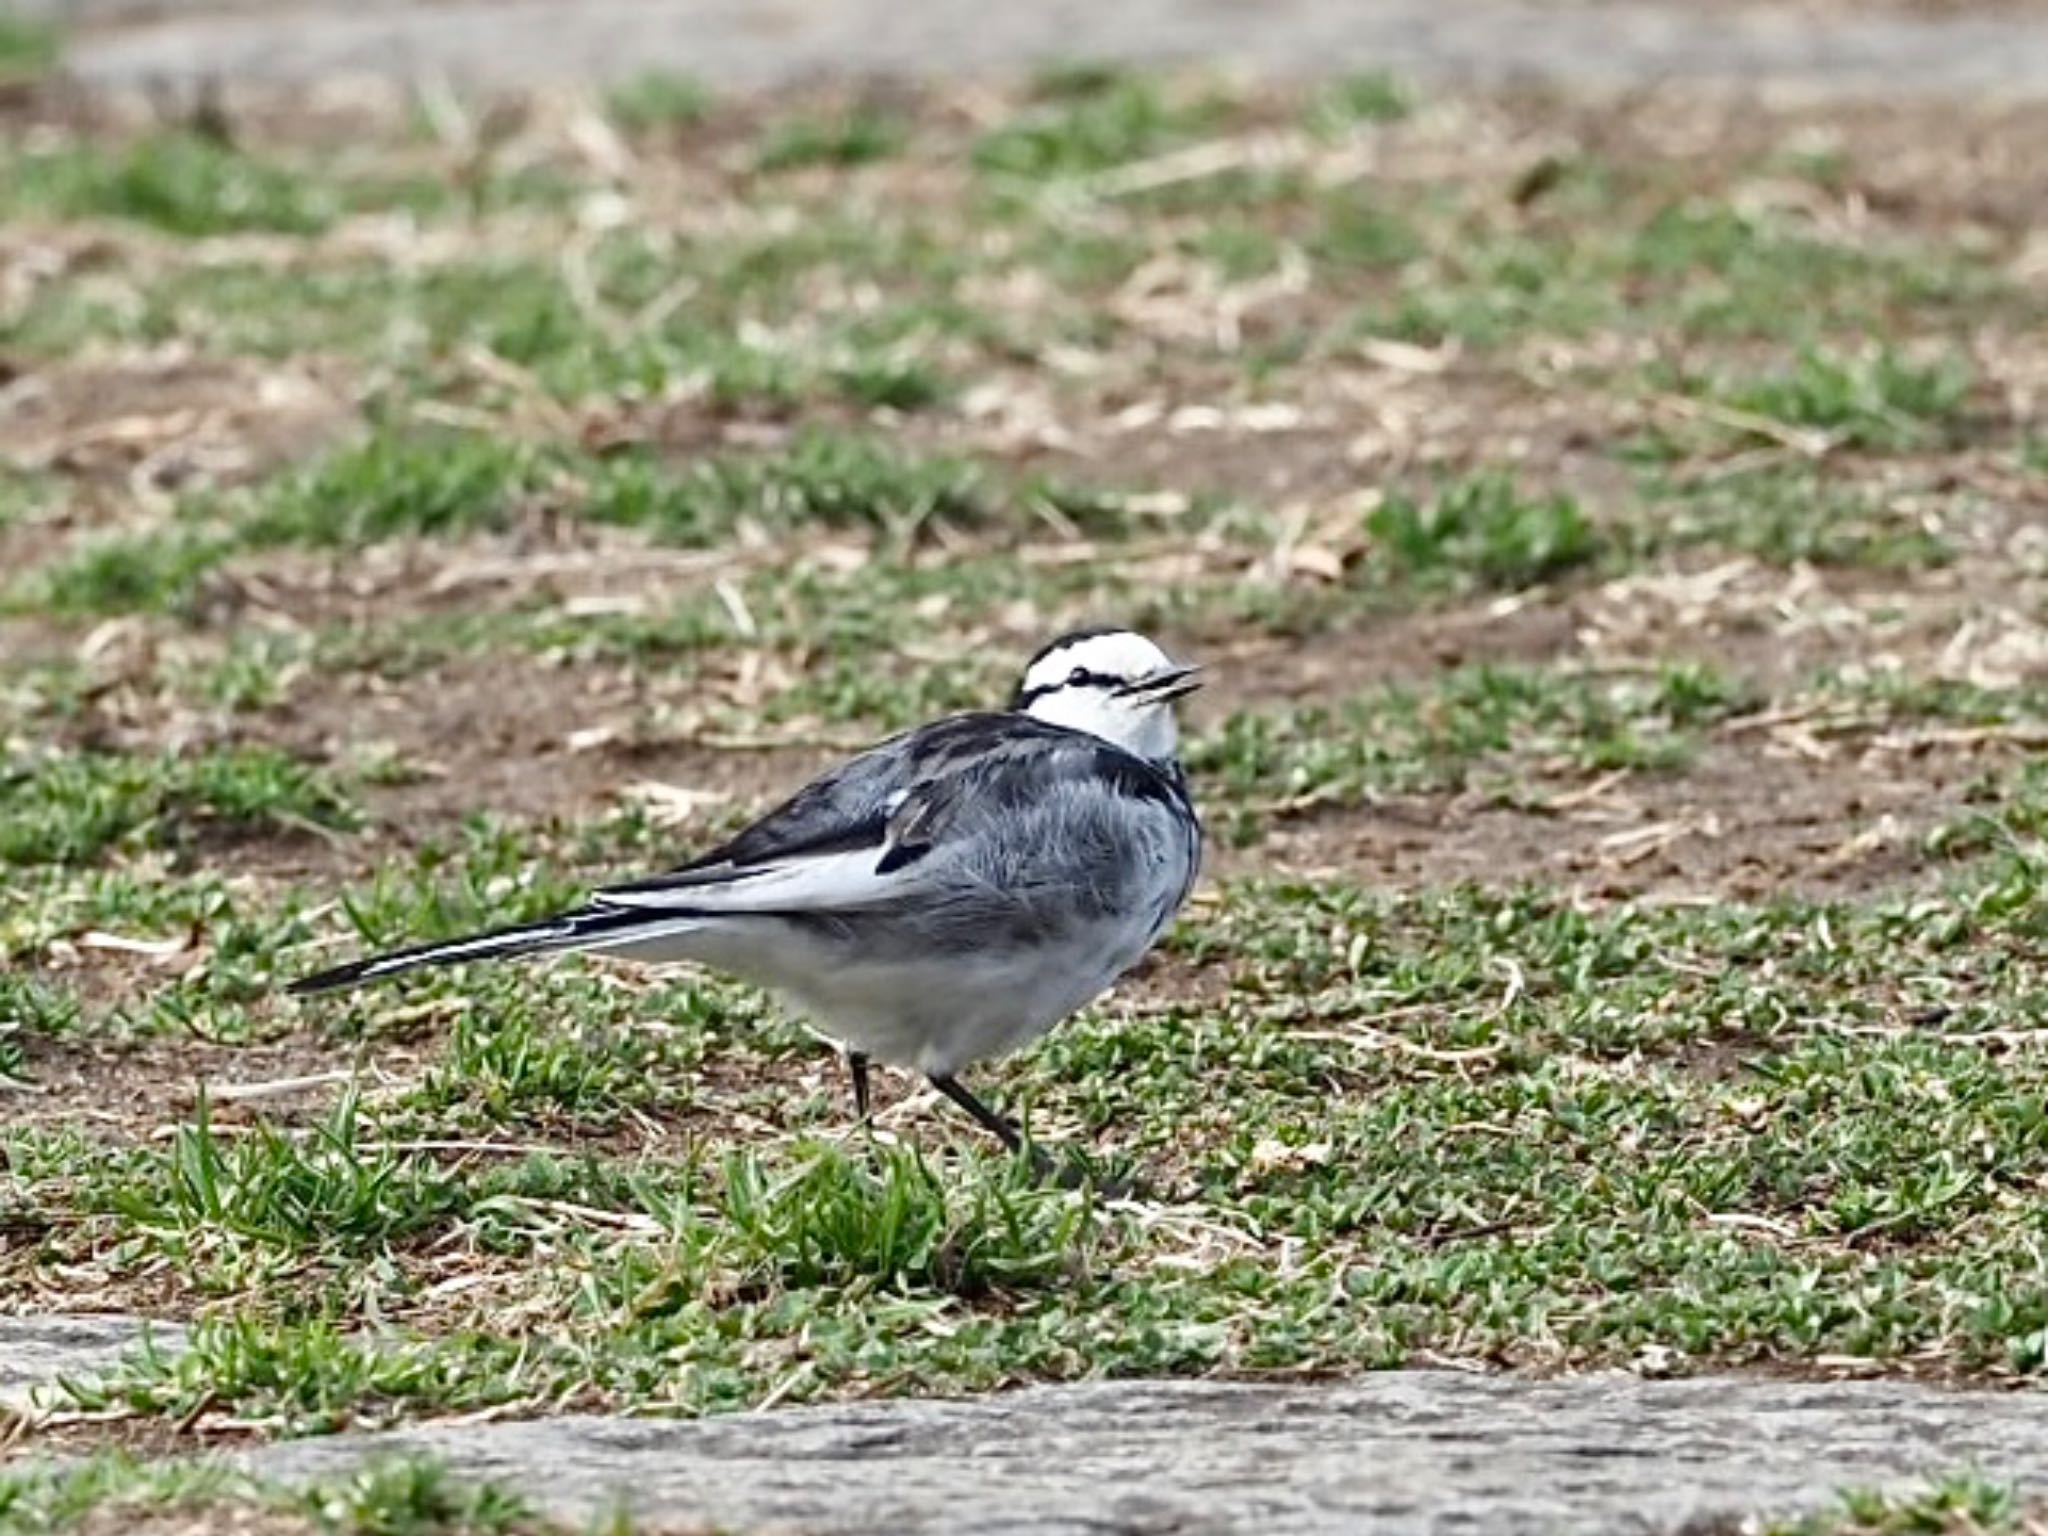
[572, 930]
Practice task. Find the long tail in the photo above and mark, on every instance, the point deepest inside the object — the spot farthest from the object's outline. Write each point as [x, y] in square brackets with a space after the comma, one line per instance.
[593, 928]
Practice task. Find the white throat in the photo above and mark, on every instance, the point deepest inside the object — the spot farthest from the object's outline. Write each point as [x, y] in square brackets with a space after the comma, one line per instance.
[1144, 728]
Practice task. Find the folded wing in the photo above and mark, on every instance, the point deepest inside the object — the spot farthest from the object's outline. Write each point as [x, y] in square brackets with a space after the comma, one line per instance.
[894, 820]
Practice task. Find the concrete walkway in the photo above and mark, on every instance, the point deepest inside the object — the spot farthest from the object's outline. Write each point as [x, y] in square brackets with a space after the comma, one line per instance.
[740, 43]
[1399, 1453]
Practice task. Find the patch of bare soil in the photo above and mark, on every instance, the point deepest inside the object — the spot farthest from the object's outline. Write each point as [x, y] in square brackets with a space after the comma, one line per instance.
[1249, 671]
[166, 424]
[128, 437]
[504, 736]
[140, 1091]
[206, 1520]
[1776, 628]
[1747, 821]
[1376, 416]
[514, 736]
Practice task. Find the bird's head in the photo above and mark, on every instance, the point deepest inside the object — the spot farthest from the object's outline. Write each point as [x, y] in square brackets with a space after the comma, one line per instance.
[1112, 683]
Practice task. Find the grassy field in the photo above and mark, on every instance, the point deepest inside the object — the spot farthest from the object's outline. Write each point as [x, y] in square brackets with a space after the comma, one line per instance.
[1615, 534]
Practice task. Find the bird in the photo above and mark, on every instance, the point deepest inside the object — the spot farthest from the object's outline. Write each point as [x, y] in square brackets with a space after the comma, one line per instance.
[943, 898]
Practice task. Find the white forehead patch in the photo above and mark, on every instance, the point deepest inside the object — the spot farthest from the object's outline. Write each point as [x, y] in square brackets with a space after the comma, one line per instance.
[1119, 654]
[1077, 686]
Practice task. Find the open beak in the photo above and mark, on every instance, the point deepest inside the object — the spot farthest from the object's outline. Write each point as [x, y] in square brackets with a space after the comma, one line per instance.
[1162, 687]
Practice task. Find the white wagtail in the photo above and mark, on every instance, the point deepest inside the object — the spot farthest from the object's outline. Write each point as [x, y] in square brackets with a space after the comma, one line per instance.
[946, 896]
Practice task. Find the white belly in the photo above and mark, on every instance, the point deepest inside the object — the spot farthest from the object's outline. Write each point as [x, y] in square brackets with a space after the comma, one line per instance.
[935, 1014]
[938, 1016]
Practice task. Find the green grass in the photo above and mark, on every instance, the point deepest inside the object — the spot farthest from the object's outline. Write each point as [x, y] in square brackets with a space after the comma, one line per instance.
[1873, 400]
[388, 1497]
[31, 1008]
[1630, 248]
[1966, 1504]
[833, 1222]
[193, 184]
[32, 1005]
[29, 48]
[802, 1236]
[1789, 517]
[749, 338]
[73, 807]
[21, 495]
[1878, 400]
[1356, 232]
[859, 136]
[820, 481]
[513, 1071]
[1529, 1169]
[36, 1501]
[867, 623]
[126, 573]
[397, 485]
[1542, 1099]
[659, 101]
[1093, 122]
[283, 1196]
[187, 186]
[1483, 531]
[1368, 97]
[404, 484]
[1634, 259]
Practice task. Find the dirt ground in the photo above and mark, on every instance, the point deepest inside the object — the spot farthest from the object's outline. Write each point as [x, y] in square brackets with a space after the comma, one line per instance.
[1793, 796]
[1743, 629]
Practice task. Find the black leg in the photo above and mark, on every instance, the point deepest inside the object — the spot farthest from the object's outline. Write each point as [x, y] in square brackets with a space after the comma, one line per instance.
[857, 1064]
[984, 1117]
[1012, 1139]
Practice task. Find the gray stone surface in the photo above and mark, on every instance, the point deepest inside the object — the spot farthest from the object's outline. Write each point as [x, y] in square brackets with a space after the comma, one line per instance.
[735, 43]
[35, 1351]
[1402, 1452]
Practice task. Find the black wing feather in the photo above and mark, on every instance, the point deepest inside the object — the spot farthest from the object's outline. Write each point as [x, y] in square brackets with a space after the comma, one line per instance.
[901, 796]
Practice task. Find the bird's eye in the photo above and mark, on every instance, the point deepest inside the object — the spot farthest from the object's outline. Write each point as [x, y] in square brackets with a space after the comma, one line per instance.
[1077, 677]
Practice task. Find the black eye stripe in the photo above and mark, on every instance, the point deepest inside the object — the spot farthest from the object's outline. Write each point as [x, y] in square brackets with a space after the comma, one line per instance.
[1080, 677]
